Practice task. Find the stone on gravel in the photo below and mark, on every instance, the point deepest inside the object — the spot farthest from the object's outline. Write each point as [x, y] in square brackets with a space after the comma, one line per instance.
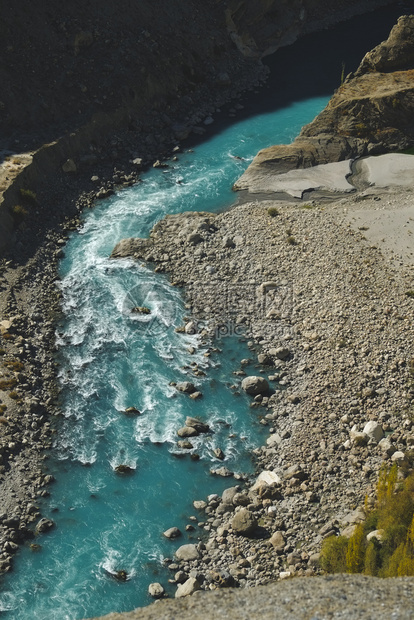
[386, 446]
[187, 553]
[277, 540]
[281, 353]
[398, 457]
[244, 522]
[228, 494]
[265, 480]
[255, 385]
[374, 430]
[187, 588]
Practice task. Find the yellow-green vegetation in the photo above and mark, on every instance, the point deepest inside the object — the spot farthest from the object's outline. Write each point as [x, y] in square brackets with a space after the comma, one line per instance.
[272, 211]
[360, 129]
[7, 384]
[14, 395]
[343, 73]
[28, 195]
[13, 365]
[19, 213]
[390, 551]
[409, 293]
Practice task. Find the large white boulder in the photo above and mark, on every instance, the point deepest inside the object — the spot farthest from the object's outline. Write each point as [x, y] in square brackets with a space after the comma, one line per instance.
[374, 430]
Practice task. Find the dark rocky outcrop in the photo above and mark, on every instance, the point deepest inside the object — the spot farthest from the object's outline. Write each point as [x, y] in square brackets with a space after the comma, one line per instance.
[370, 113]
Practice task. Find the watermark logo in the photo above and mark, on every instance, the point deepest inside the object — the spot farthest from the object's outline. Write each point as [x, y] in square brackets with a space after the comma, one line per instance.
[223, 309]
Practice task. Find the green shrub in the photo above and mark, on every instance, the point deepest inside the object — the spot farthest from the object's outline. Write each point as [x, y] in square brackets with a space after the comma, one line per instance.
[333, 554]
[393, 513]
[7, 384]
[28, 196]
[272, 211]
[19, 213]
[355, 552]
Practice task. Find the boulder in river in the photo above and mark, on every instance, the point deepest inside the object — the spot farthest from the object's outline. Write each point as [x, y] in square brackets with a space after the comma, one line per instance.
[132, 411]
[201, 427]
[172, 532]
[186, 387]
[187, 431]
[44, 525]
[219, 454]
[156, 590]
[124, 469]
[221, 471]
[140, 310]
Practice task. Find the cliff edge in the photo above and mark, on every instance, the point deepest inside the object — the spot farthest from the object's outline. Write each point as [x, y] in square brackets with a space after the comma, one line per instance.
[353, 597]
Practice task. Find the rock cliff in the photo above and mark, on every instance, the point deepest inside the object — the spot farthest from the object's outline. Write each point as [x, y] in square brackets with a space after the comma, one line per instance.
[370, 113]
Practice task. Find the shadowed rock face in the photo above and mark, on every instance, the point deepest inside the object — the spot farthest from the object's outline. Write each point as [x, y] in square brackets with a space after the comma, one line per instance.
[65, 63]
[394, 54]
[261, 27]
[370, 113]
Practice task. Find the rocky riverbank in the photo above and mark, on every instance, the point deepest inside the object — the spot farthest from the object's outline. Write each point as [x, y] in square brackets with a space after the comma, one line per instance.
[332, 315]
